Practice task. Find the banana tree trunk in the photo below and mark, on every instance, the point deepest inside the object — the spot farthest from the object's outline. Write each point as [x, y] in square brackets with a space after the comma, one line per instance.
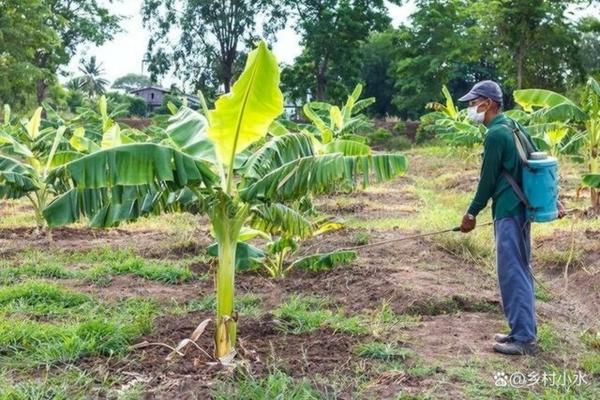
[226, 329]
[593, 132]
[595, 194]
[227, 229]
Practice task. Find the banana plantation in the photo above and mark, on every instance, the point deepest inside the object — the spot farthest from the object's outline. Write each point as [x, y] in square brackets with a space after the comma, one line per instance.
[230, 248]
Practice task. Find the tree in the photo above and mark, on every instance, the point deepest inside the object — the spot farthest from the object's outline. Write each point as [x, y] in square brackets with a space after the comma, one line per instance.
[24, 34]
[535, 43]
[331, 32]
[589, 51]
[75, 23]
[378, 55]
[91, 81]
[440, 46]
[213, 35]
[131, 82]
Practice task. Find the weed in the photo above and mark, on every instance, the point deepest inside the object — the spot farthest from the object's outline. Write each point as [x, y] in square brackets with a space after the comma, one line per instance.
[276, 385]
[381, 351]
[301, 314]
[361, 238]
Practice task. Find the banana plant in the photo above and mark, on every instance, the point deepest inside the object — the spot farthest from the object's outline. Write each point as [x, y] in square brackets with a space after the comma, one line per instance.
[283, 244]
[452, 125]
[281, 170]
[27, 155]
[549, 107]
[336, 124]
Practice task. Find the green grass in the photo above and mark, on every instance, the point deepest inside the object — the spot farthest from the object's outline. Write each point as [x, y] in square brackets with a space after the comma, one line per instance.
[95, 266]
[151, 270]
[361, 238]
[53, 270]
[40, 298]
[381, 351]
[590, 363]
[302, 314]
[548, 339]
[276, 385]
[591, 339]
[91, 327]
[542, 294]
[247, 304]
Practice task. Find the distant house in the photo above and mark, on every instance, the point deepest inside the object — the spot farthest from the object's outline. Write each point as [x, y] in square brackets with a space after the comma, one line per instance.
[154, 96]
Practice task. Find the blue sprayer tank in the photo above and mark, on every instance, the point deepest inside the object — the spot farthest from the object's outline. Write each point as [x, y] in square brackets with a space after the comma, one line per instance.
[540, 184]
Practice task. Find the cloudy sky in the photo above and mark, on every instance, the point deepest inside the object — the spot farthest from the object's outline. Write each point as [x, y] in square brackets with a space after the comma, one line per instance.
[124, 54]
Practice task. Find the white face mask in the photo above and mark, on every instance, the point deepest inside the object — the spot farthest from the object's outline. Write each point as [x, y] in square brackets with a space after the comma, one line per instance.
[474, 115]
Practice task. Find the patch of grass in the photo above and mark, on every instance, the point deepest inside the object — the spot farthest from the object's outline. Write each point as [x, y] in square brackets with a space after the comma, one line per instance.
[591, 339]
[47, 269]
[276, 385]
[361, 238]
[421, 371]
[98, 329]
[382, 351]
[547, 338]
[590, 363]
[301, 314]
[99, 275]
[34, 390]
[552, 257]
[103, 263]
[542, 294]
[155, 271]
[465, 246]
[385, 315]
[40, 298]
[454, 304]
[464, 374]
[348, 324]
[247, 304]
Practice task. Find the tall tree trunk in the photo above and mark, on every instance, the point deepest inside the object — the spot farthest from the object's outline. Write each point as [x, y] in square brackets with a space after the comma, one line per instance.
[227, 72]
[41, 61]
[520, 55]
[321, 76]
[320, 89]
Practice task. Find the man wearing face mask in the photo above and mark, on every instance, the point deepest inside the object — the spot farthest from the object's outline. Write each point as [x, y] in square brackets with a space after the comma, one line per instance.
[511, 229]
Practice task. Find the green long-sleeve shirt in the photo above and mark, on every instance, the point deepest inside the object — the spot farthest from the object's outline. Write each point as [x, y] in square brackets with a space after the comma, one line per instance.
[499, 153]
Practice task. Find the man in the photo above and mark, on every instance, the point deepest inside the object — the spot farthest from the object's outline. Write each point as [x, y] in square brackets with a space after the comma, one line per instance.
[511, 229]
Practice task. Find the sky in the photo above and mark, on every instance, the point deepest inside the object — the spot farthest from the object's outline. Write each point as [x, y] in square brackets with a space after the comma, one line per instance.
[125, 52]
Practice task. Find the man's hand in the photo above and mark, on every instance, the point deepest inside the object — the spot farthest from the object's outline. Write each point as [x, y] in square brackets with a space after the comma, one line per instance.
[468, 223]
[561, 210]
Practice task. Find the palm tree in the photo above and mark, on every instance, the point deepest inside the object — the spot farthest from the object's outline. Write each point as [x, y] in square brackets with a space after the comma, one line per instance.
[91, 81]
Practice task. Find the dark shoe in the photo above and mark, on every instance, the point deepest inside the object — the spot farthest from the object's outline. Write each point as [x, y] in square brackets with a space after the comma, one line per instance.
[516, 348]
[502, 338]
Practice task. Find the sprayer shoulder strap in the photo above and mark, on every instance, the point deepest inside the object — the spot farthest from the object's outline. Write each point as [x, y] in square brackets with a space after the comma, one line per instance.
[517, 189]
[522, 144]
[524, 149]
